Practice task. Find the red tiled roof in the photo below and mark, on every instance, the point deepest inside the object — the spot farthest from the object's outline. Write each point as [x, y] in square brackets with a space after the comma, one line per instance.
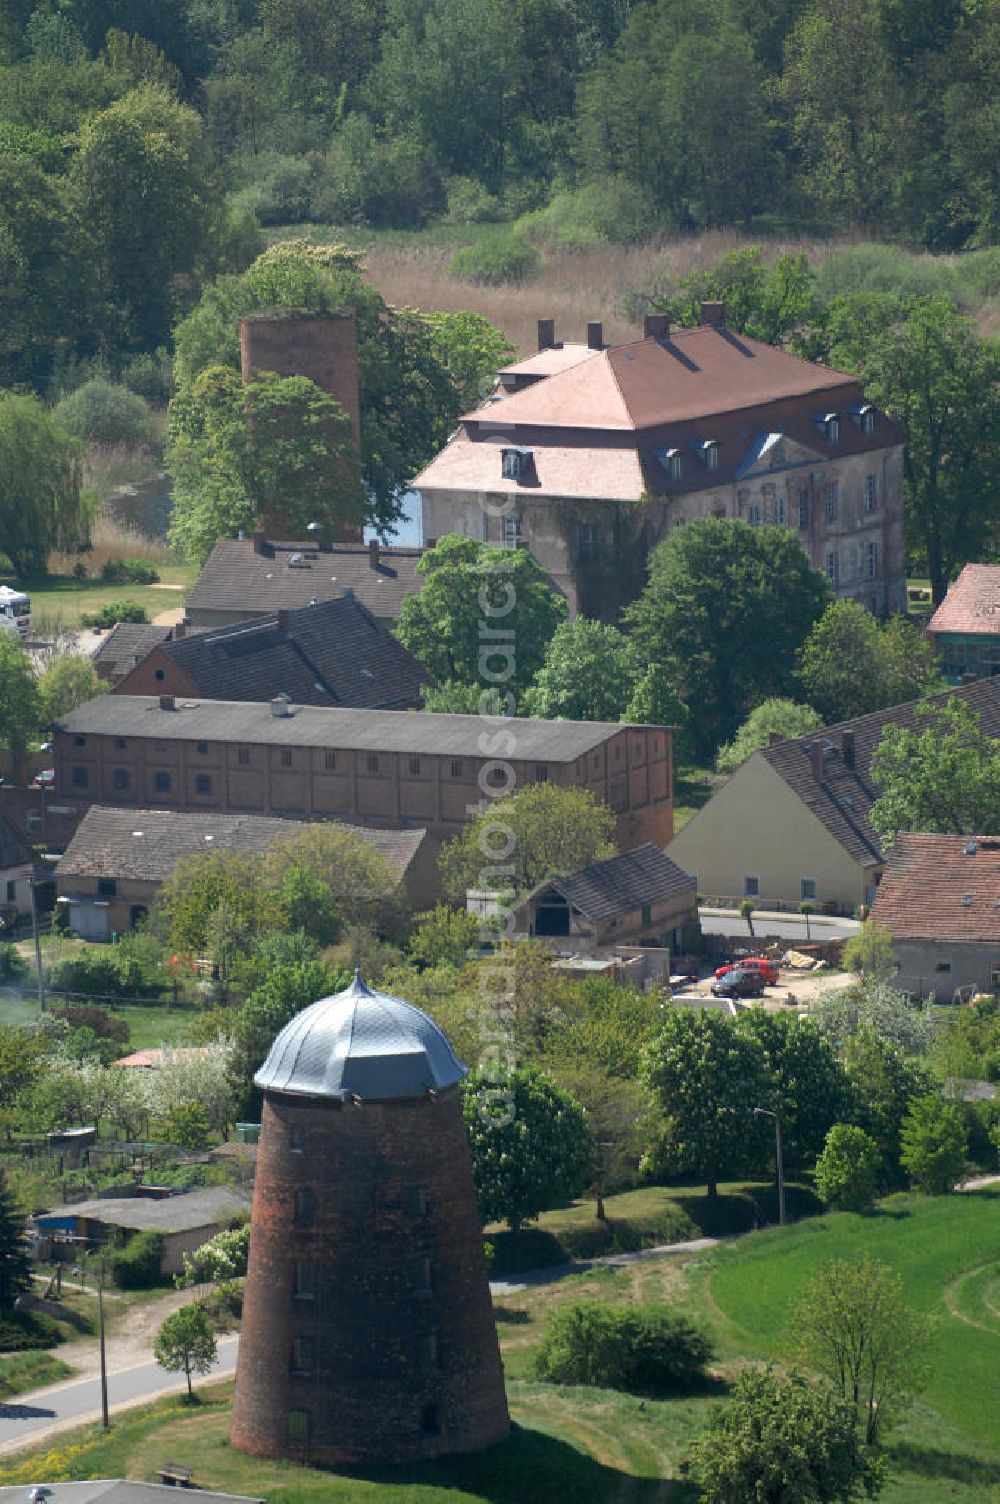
[468, 465]
[939, 887]
[695, 373]
[972, 604]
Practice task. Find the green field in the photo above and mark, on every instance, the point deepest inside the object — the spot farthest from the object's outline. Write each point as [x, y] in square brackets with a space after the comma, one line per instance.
[58, 601]
[598, 1445]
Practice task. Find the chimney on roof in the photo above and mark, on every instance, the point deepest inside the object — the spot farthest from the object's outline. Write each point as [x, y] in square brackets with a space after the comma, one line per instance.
[816, 754]
[546, 334]
[167, 702]
[281, 706]
[595, 335]
[656, 326]
[180, 631]
[967, 679]
[282, 619]
[373, 552]
[259, 541]
[714, 313]
[847, 748]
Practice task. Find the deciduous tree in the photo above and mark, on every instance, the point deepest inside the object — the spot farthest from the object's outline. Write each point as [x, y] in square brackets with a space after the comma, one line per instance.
[935, 1142]
[944, 775]
[531, 1144]
[19, 703]
[707, 1076]
[185, 1343]
[851, 663]
[468, 583]
[588, 675]
[847, 1171]
[68, 681]
[42, 504]
[852, 1324]
[885, 1084]
[774, 717]
[725, 610]
[538, 832]
[782, 1441]
[809, 1087]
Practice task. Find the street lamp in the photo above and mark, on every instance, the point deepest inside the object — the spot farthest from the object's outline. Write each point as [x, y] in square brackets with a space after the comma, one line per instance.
[39, 973]
[765, 1112]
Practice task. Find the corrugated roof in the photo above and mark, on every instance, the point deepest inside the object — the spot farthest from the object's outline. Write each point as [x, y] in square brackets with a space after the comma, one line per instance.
[333, 653]
[842, 798]
[146, 845]
[972, 604]
[624, 883]
[207, 1207]
[940, 887]
[360, 1043]
[340, 728]
[289, 575]
[653, 381]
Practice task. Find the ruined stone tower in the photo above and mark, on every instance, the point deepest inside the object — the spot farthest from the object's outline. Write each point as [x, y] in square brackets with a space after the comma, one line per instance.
[368, 1332]
[322, 346]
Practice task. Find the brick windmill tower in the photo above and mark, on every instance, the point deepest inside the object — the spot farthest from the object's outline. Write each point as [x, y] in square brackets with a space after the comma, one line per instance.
[368, 1332]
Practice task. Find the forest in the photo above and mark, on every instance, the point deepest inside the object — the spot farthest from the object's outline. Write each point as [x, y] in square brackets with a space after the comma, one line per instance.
[144, 142]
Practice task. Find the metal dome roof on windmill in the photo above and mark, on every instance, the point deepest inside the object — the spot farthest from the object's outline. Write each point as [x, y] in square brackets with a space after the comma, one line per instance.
[360, 1044]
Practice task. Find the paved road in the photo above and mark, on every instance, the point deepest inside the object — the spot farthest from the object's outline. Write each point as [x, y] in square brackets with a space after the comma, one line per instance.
[32, 1416]
[784, 926]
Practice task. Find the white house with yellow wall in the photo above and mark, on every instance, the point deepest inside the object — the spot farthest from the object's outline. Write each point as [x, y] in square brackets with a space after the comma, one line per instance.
[791, 825]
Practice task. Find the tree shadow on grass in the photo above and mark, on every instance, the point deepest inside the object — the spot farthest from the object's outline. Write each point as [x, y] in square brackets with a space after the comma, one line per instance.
[511, 1315]
[929, 1462]
[531, 1465]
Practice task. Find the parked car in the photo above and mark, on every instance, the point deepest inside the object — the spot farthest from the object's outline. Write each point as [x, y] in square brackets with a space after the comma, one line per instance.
[739, 983]
[45, 779]
[767, 968]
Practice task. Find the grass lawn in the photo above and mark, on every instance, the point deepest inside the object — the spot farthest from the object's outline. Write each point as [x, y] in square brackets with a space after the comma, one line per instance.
[57, 601]
[600, 1445]
[150, 1024]
[693, 787]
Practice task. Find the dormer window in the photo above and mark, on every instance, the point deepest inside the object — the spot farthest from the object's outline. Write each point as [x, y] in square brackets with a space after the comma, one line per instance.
[864, 416]
[515, 463]
[708, 452]
[672, 462]
[829, 425]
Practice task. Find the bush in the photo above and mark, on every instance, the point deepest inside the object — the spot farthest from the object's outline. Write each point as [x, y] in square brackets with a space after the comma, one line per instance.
[137, 1265]
[128, 572]
[99, 412]
[12, 963]
[642, 1349]
[151, 376]
[113, 613]
[22, 1330]
[612, 212]
[848, 1169]
[470, 203]
[90, 1016]
[91, 972]
[504, 257]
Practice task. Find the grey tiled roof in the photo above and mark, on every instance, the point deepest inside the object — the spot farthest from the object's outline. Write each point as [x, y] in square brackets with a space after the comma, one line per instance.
[622, 884]
[126, 645]
[146, 845]
[333, 653]
[315, 726]
[235, 578]
[844, 795]
[363, 1044]
[116, 1491]
[14, 850]
[203, 1208]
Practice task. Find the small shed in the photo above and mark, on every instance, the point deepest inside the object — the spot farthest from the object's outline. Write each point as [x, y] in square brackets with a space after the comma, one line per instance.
[186, 1220]
[641, 896]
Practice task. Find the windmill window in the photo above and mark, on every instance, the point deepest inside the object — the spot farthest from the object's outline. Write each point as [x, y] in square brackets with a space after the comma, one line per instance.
[304, 1279]
[297, 1140]
[299, 1428]
[303, 1356]
[305, 1208]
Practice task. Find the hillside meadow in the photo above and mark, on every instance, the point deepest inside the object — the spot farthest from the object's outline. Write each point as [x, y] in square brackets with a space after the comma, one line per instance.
[599, 1445]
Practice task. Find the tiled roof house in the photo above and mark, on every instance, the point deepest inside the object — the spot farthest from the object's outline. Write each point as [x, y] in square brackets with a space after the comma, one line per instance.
[791, 825]
[965, 628]
[682, 424]
[940, 899]
[331, 653]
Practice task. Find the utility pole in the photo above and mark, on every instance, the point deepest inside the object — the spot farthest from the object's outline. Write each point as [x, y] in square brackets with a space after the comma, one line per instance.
[105, 1422]
[38, 946]
[765, 1112]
